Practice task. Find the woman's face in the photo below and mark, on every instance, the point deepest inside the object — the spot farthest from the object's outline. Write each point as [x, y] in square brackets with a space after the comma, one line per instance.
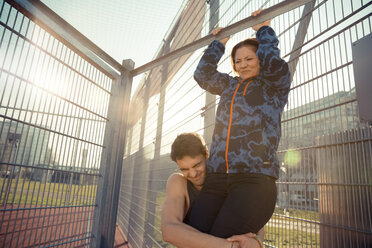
[246, 62]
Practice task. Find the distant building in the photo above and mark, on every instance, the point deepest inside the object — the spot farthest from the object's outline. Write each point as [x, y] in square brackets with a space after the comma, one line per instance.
[319, 117]
[73, 175]
[23, 145]
[297, 186]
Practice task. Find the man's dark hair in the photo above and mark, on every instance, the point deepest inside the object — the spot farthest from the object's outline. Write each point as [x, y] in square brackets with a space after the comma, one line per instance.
[188, 144]
[248, 42]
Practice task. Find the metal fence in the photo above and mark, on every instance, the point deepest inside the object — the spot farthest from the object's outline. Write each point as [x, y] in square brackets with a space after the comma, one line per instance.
[64, 116]
[59, 131]
[325, 187]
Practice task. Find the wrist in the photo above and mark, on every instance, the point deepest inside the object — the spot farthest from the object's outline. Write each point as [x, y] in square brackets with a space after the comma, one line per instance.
[259, 238]
[259, 241]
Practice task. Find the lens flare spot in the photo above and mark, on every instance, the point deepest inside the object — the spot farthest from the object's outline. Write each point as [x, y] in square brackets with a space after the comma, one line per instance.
[292, 158]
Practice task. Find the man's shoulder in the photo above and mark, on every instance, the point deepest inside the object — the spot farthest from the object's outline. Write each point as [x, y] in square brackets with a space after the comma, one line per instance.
[176, 179]
[176, 185]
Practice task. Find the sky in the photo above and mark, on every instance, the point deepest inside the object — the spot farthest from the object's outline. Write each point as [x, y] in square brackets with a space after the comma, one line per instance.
[125, 29]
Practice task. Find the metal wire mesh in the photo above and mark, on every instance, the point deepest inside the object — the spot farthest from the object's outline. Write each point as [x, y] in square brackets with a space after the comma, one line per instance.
[53, 113]
[325, 152]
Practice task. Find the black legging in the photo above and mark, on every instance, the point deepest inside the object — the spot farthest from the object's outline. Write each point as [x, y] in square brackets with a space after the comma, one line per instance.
[232, 204]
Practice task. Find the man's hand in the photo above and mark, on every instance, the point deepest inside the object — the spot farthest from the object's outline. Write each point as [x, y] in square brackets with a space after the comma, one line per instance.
[245, 240]
[265, 23]
[223, 40]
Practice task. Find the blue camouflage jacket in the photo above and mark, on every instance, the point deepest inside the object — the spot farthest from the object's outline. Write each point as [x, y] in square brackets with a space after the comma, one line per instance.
[247, 127]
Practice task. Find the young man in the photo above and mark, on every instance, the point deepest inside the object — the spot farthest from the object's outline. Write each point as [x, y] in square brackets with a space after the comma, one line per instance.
[190, 152]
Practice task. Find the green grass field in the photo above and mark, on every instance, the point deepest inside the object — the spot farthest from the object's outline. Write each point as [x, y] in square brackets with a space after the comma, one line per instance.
[28, 192]
[291, 237]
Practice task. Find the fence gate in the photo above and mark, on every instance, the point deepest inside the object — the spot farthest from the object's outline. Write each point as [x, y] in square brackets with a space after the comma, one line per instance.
[57, 100]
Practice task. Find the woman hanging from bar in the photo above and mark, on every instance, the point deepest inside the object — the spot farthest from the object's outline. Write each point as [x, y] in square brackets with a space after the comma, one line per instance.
[239, 195]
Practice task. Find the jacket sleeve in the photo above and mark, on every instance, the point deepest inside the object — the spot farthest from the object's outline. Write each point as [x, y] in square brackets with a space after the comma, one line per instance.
[206, 74]
[273, 69]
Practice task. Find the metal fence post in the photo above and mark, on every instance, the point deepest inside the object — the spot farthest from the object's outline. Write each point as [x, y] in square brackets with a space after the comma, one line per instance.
[300, 36]
[112, 159]
[210, 99]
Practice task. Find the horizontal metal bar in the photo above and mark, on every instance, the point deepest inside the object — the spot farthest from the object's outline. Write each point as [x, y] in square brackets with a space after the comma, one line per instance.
[54, 57]
[321, 75]
[44, 244]
[53, 114]
[70, 241]
[320, 110]
[54, 94]
[49, 130]
[32, 228]
[54, 24]
[53, 169]
[296, 218]
[325, 184]
[332, 27]
[346, 228]
[328, 145]
[46, 207]
[248, 22]
[332, 36]
[293, 24]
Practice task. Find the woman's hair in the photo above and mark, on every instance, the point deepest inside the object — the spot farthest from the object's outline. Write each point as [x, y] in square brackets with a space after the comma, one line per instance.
[248, 42]
[188, 144]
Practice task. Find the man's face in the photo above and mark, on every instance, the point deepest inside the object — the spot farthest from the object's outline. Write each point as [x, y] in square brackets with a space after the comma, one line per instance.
[194, 169]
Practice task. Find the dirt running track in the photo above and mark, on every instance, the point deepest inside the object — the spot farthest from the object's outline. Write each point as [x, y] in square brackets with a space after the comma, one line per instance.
[32, 226]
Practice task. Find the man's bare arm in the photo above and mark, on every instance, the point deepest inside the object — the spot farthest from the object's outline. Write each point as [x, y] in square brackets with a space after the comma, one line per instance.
[173, 229]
